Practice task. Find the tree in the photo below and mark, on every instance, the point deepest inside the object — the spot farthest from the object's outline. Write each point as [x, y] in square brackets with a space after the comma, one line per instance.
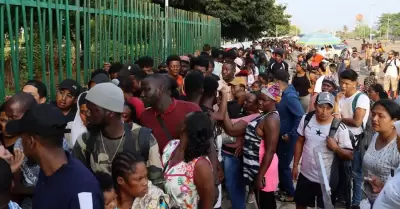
[361, 30]
[294, 30]
[393, 20]
[240, 18]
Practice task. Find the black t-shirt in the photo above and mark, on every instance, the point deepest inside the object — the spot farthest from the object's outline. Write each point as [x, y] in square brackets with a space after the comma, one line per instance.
[215, 76]
[234, 109]
[274, 66]
[301, 84]
[71, 114]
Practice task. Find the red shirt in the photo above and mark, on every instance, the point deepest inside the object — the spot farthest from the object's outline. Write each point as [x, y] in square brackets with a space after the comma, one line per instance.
[137, 104]
[172, 117]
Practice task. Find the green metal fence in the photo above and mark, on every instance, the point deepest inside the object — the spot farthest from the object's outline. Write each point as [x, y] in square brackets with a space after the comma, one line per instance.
[57, 39]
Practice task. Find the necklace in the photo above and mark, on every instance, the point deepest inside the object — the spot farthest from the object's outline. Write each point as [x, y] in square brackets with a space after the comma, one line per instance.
[104, 148]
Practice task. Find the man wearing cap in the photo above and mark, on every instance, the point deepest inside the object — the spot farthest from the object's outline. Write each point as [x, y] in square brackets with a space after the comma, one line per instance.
[278, 62]
[27, 175]
[108, 135]
[290, 112]
[99, 78]
[314, 132]
[64, 182]
[135, 74]
[185, 65]
[67, 93]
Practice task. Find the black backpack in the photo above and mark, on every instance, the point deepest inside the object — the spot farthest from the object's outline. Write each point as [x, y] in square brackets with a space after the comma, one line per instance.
[341, 170]
[143, 140]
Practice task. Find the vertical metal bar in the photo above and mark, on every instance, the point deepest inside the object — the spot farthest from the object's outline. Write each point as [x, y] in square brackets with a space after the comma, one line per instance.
[42, 44]
[16, 45]
[2, 71]
[118, 31]
[59, 42]
[141, 28]
[85, 59]
[90, 64]
[96, 32]
[12, 45]
[114, 31]
[110, 22]
[145, 29]
[131, 26]
[31, 28]
[78, 42]
[67, 41]
[28, 47]
[51, 52]
[100, 31]
[151, 30]
[136, 30]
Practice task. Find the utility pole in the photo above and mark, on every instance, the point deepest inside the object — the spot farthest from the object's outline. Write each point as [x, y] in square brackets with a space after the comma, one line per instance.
[370, 22]
[387, 30]
[276, 31]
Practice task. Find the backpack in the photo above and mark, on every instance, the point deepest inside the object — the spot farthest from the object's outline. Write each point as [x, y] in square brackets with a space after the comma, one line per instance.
[388, 64]
[142, 139]
[341, 170]
[356, 142]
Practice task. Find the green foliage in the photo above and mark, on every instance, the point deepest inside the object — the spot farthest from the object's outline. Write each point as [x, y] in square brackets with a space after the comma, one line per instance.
[394, 24]
[361, 31]
[294, 30]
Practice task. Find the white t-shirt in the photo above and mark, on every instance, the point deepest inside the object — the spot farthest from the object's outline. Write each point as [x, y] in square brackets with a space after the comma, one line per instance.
[256, 71]
[392, 69]
[316, 136]
[217, 68]
[346, 110]
[380, 162]
[389, 197]
[318, 84]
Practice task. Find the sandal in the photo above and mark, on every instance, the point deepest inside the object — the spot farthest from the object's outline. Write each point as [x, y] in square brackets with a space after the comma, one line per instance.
[285, 199]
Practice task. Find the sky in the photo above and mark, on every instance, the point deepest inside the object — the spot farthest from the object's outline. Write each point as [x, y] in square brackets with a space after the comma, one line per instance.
[332, 15]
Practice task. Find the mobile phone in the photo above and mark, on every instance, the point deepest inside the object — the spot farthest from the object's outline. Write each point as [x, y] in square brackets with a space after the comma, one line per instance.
[263, 182]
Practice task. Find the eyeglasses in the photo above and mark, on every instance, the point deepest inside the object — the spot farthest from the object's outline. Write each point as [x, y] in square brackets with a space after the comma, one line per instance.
[65, 94]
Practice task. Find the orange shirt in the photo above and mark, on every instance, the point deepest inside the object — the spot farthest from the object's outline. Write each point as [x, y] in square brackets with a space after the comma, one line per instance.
[179, 80]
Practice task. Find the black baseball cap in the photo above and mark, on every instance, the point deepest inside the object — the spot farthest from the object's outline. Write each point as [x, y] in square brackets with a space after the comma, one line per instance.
[71, 85]
[282, 75]
[42, 119]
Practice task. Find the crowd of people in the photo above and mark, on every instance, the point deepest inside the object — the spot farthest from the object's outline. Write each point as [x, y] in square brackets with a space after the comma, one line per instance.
[141, 137]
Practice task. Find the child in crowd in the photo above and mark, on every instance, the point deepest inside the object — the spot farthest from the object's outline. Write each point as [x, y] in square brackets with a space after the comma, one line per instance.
[256, 86]
[107, 187]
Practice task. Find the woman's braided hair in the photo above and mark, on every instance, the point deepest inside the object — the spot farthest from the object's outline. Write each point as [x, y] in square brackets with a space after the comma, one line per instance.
[124, 164]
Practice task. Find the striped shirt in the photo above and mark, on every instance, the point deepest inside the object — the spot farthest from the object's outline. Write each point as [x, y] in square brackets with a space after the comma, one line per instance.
[251, 151]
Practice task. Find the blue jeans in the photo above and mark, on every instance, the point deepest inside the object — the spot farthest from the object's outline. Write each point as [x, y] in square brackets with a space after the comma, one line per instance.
[285, 152]
[234, 180]
[357, 178]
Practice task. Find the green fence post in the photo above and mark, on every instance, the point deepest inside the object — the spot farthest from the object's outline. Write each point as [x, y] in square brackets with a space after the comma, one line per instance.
[2, 70]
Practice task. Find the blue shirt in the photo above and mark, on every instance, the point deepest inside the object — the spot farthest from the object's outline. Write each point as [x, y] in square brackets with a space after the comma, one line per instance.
[30, 171]
[290, 112]
[70, 187]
